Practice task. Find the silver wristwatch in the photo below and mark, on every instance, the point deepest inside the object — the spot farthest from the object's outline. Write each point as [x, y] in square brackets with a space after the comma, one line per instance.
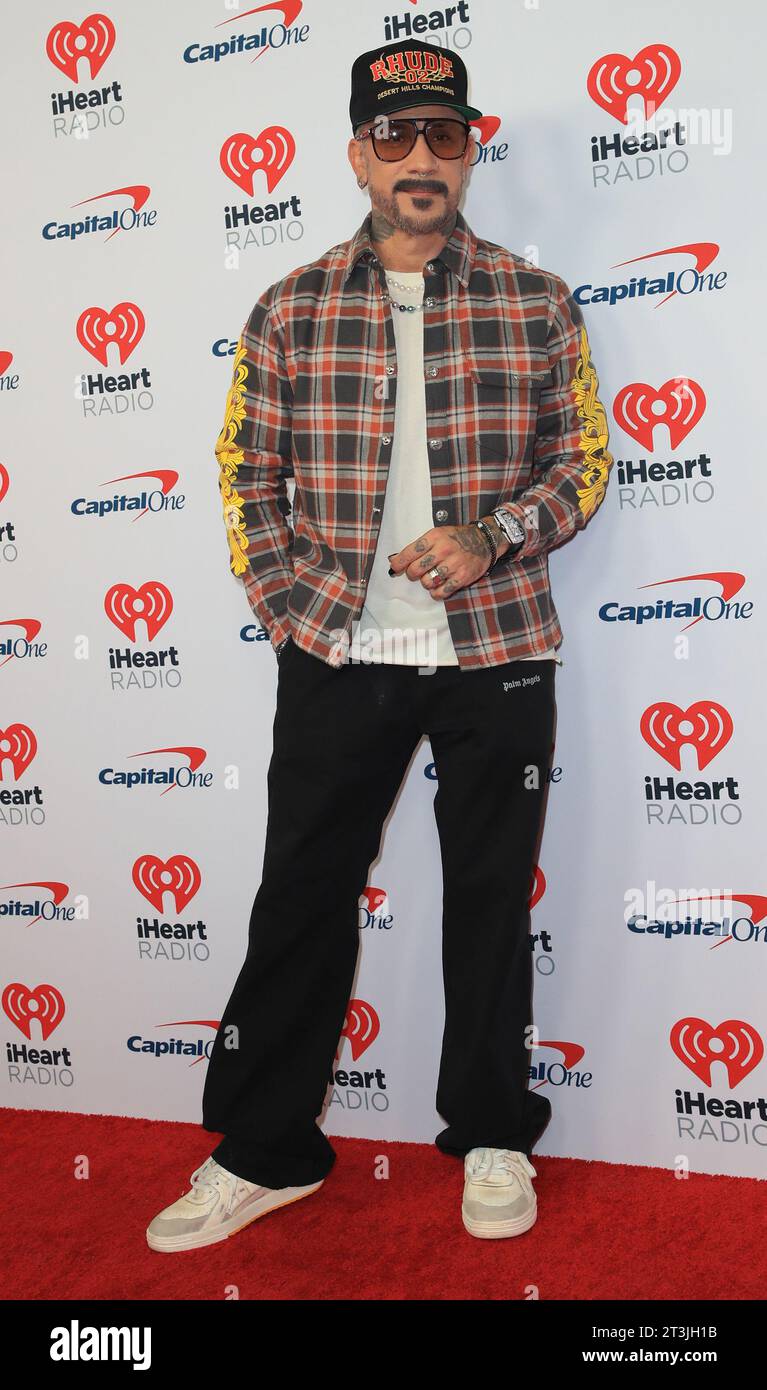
[512, 529]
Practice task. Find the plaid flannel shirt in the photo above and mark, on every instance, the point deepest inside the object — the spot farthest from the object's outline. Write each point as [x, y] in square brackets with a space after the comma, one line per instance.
[513, 418]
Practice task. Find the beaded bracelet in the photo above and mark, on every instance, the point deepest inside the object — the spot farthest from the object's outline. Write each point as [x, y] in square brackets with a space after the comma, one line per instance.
[485, 529]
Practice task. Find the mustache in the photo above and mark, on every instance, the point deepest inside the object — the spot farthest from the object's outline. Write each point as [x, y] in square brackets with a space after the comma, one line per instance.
[420, 186]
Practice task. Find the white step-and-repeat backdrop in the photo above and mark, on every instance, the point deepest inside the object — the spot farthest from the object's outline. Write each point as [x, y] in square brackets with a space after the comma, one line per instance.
[623, 150]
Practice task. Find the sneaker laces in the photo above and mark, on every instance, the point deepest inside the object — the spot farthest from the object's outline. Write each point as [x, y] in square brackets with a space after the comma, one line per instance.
[211, 1180]
[487, 1164]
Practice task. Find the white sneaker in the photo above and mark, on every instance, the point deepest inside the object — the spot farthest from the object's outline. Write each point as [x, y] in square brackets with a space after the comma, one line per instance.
[498, 1196]
[217, 1204]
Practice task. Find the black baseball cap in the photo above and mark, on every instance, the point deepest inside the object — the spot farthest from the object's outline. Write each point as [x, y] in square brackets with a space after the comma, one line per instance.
[410, 73]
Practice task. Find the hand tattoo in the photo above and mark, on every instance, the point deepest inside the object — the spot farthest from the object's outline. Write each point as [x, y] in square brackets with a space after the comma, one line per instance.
[470, 538]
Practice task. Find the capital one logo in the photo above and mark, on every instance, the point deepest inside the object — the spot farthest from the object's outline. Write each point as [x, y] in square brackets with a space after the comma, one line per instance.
[5, 480]
[290, 10]
[735, 1044]
[571, 1053]
[6, 359]
[30, 628]
[243, 156]
[93, 40]
[705, 725]
[18, 746]
[361, 1026]
[485, 127]
[22, 1005]
[125, 606]
[374, 898]
[652, 73]
[123, 325]
[678, 404]
[179, 876]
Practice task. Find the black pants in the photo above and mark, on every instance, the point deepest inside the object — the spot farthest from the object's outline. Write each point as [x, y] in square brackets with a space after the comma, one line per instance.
[343, 739]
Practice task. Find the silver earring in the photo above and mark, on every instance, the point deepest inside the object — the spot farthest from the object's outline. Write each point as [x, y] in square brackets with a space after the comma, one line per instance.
[362, 183]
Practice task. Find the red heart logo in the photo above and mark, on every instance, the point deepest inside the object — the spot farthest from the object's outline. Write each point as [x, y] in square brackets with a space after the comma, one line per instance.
[22, 1005]
[19, 745]
[242, 155]
[124, 606]
[537, 886]
[710, 729]
[155, 877]
[361, 1027]
[94, 39]
[734, 1043]
[681, 401]
[96, 329]
[653, 73]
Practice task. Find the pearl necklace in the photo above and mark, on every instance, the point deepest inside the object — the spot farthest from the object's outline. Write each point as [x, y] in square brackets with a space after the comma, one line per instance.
[409, 289]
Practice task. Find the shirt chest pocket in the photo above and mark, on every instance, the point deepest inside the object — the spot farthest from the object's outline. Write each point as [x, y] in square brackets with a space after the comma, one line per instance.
[505, 404]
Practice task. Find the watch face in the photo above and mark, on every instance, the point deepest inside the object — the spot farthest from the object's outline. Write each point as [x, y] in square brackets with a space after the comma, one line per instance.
[508, 523]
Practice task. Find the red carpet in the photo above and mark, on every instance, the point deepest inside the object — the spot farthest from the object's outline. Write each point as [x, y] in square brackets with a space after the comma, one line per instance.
[603, 1230]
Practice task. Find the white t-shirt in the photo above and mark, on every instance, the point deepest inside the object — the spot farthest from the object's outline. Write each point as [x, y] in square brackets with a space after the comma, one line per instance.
[400, 621]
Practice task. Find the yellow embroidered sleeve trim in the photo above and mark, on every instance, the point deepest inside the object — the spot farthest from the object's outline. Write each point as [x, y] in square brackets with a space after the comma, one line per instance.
[594, 434]
[230, 456]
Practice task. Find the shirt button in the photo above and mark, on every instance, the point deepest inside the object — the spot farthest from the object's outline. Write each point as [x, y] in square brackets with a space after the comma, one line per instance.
[429, 265]
[441, 515]
[389, 370]
[375, 510]
[386, 439]
[433, 371]
[435, 443]
[430, 301]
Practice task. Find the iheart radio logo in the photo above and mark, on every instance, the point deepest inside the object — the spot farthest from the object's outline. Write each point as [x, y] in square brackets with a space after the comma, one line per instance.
[361, 1027]
[18, 746]
[6, 359]
[23, 1004]
[651, 74]
[242, 156]
[179, 876]
[734, 1043]
[705, 725]
[93, 40]
[678, 404]
[97, 328]
[537, 886]
[125, 606]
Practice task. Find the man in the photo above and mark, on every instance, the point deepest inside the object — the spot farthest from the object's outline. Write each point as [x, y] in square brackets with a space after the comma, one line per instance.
[434, 399]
